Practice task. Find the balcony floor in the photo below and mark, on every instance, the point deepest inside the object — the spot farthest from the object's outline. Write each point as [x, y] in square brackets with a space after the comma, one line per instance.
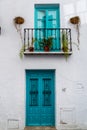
[47, 53]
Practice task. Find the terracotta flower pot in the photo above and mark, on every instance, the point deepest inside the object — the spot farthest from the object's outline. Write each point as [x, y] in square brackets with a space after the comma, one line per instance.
[31, 49]
[65, 49]
[19, 20]
[75, 20]
[46, 48]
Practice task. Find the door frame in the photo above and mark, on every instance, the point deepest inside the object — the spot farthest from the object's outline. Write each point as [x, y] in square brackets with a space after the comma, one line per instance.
[27, 72]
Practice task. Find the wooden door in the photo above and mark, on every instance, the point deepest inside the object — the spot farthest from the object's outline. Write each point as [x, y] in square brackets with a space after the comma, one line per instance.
[40, 100]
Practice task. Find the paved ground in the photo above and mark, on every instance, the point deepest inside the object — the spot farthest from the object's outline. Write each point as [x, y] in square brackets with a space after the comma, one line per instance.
[72, 127]
[65, 127]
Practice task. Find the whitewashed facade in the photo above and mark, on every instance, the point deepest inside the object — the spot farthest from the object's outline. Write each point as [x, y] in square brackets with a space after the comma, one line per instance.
[71, 75]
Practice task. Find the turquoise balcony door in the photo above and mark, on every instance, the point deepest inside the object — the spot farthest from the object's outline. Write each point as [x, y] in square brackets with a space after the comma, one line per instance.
[47, 17]
[40, 109]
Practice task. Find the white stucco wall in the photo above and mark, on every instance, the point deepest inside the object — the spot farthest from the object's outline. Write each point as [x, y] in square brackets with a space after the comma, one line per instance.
[71, 76]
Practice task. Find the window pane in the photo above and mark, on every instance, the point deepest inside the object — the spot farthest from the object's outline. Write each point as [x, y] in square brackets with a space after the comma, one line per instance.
[51, 14]
[41, 19]
[41, 14]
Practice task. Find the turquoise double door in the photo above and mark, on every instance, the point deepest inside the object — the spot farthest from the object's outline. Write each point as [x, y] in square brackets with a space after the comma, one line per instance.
[40, 100]
[47, 20]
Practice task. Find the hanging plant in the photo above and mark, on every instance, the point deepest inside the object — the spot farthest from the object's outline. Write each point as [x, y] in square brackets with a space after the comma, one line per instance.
[18, 21]
[76, 21]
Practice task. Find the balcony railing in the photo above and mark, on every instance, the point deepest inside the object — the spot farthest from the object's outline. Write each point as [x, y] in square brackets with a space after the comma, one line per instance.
[35, 40]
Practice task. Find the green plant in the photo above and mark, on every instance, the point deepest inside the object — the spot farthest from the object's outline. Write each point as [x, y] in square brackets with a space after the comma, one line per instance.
[65, 43]
[21, 53]
[32, 42]
[46, 43]
[29, 46]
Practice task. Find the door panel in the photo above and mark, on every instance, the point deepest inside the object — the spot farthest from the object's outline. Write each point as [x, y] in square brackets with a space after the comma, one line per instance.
[40, 98]
[47, 104]
[33, 104]
[46, 92]
[33, 92]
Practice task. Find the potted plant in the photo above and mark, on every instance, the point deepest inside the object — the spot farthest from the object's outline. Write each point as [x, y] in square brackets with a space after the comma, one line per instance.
[46, 43]
[76, 22]
[18, 21]
[65, 43]
[31, 47]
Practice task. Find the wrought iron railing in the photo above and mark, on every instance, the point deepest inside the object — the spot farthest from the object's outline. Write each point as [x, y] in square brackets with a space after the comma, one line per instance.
[61, 37]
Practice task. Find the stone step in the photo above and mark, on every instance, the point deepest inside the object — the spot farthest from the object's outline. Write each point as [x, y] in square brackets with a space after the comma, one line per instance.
[39, 128]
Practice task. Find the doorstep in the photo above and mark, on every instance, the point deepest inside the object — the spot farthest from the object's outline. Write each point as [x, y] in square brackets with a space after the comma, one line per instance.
[39, 128]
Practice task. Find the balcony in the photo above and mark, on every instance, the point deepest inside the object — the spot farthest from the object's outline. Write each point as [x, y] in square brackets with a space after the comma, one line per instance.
[58, 40]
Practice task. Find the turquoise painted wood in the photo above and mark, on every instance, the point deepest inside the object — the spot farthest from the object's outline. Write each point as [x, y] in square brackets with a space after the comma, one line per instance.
[40, 99]
[48, 16]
